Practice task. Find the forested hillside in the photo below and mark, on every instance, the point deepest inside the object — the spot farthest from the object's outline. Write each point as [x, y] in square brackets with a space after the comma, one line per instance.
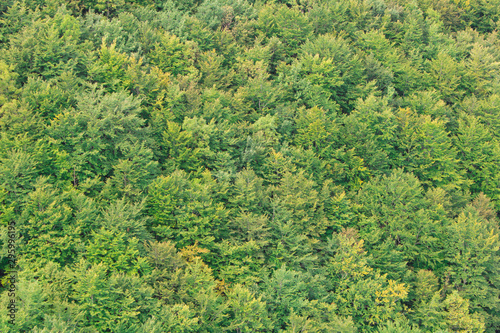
[249, 166]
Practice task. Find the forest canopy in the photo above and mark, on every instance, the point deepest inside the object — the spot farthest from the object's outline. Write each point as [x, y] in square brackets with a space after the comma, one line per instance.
[249, 166]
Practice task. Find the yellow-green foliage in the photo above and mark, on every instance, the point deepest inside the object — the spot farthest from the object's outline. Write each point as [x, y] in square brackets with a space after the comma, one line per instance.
[250, 166]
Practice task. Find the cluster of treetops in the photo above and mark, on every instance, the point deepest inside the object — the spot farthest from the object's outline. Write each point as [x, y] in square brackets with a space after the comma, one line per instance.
[251, 166]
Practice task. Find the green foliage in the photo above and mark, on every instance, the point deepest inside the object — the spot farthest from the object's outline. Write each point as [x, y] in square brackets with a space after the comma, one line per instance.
[48, 47]
[427, 151]
[185, 210]
[348, 64]
[115, 251]
[109, 302]
[396, 220]
[359, 290]
[250, 166]
[371, 132]
[187, 148]
[472, 244]
[224, 14]
[49, 98]
[53, 225]
[32, 302]
[90, 139]
[247, 314]
[7, 87]
[290, 25]
[172, 56]
[133, 173]
[478, 152]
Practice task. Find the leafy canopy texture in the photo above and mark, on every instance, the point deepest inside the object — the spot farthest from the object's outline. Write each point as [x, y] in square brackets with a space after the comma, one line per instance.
[250, 166]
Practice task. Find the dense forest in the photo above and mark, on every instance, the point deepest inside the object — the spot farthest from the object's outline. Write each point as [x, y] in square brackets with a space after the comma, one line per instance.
[249, 166]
